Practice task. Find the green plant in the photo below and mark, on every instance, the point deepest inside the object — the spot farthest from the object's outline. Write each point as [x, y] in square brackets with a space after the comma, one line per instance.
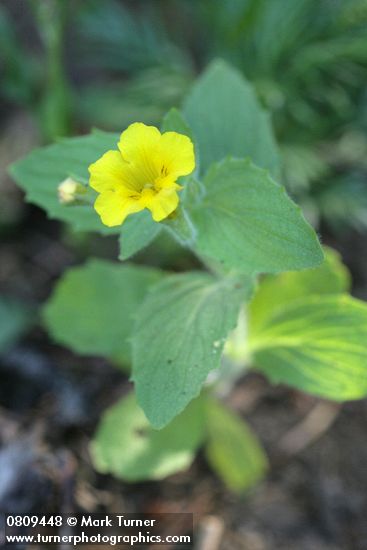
[297, 324]
[38, 83]
[141, 71]
[307, 61]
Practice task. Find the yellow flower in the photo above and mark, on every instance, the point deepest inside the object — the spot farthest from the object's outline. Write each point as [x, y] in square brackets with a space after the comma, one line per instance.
[142, 174]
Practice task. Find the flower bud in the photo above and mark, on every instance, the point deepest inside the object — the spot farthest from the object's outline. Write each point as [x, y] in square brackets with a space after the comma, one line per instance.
[69, 191]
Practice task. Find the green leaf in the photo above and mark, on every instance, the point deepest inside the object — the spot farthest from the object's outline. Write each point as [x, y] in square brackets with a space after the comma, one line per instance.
[178, 339]
[93, 306]
[317, 344]
[275, 291]
[137, 232]
[179, 223]
[15, 318]
[226, 119]
[232, 450]
[247, 222]
[40, 173]
[174, 121]
[180, 226]
[127, 446]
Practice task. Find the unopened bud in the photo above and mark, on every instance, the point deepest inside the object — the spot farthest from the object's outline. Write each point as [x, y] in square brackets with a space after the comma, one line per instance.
[70, 191]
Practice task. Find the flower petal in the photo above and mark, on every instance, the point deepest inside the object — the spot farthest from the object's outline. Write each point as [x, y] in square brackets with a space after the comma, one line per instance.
[163, 203]
[177, 154]
[111, 172]
[139, 146]
[113, 207]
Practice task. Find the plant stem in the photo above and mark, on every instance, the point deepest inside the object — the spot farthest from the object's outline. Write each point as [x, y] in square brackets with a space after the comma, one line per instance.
[55, 108]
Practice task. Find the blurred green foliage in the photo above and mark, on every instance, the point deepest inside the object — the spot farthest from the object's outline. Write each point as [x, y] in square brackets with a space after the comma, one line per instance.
[18, 76]
[38, 82]
[148, 73]
[232, 449]
[134, 451]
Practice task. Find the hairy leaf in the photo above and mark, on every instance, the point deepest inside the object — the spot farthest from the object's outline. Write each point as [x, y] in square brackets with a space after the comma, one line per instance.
[226, 119]
[178, 339]
[276, 291]
[127, 446]
[92, 307]
[232, 450]
[40, 173]
[247, 222]
[137, 232]
[317, 344]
